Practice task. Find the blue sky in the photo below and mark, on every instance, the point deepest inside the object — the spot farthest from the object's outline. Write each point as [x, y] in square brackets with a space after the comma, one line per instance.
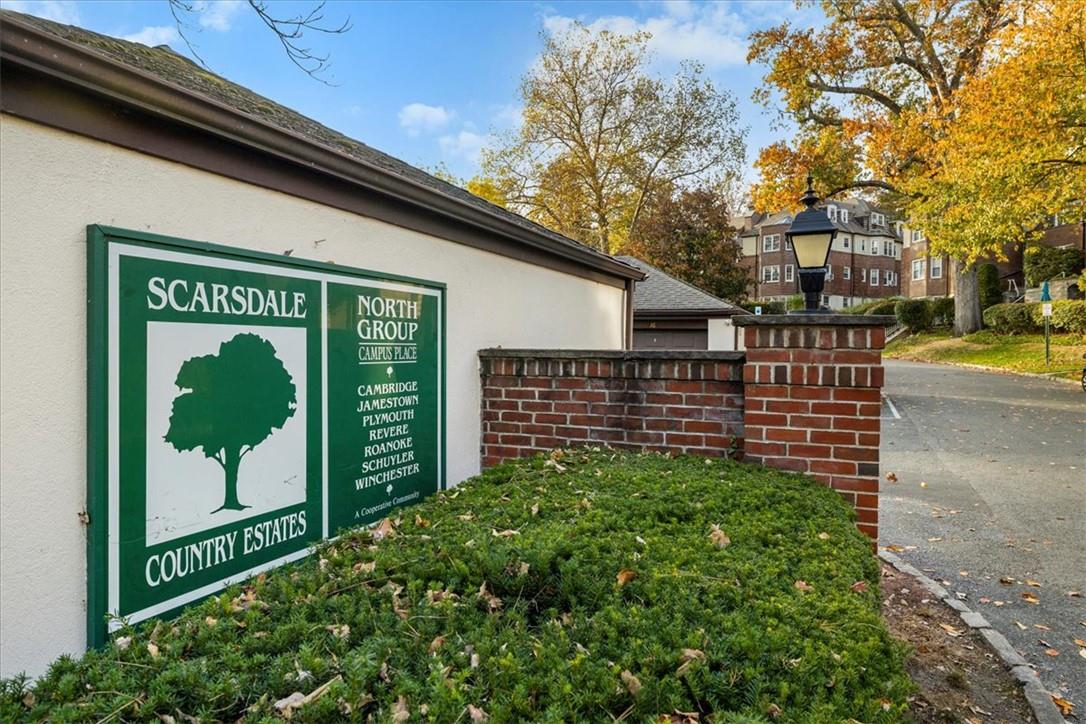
[430, 81]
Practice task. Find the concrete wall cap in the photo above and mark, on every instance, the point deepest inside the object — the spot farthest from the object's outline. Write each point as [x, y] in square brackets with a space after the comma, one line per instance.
[673, 355]
[815, 320]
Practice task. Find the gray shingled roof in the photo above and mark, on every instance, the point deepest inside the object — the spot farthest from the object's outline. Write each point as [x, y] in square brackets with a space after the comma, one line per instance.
[857, 209]
[662, 292]
[178, 70]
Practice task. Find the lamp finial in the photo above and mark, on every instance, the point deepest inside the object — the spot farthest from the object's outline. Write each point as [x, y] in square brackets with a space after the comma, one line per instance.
[809, 199]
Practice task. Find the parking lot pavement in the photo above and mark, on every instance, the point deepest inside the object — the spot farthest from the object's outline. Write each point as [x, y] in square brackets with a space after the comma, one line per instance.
[990, 499]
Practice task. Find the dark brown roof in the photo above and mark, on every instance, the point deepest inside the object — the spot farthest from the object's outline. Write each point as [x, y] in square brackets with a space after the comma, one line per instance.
[188, 77]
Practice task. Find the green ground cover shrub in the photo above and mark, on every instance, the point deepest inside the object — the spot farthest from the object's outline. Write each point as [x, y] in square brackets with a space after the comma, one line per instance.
[581, 587]
[915, 314]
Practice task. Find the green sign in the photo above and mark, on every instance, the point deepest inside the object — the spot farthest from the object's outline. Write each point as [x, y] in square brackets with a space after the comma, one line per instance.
[241, 407]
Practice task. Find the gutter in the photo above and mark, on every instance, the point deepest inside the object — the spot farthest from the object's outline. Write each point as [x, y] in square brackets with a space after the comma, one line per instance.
[25, 46]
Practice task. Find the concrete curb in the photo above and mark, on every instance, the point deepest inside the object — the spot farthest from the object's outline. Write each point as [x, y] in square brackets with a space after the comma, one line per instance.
[1038, 697]
[1053, 376]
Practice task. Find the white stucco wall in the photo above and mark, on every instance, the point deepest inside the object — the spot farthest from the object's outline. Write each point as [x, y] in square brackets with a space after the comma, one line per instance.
[52, 184]
[723, 336]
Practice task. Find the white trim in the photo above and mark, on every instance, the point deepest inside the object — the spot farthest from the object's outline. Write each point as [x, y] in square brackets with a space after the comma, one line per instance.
[789, 273]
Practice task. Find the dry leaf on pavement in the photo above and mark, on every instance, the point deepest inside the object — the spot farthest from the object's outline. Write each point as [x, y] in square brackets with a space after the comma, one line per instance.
[625, 576]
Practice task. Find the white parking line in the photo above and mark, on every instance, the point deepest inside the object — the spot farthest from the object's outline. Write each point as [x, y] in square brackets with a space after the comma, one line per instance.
[893, 410]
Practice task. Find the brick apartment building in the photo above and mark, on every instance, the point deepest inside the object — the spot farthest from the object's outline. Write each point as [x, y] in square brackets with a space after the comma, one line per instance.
[864, 262]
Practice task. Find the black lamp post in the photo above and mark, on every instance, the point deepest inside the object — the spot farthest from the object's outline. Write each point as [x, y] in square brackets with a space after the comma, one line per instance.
[811, 235]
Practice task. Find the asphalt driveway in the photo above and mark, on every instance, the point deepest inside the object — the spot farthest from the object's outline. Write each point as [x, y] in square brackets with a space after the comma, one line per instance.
[990, 499]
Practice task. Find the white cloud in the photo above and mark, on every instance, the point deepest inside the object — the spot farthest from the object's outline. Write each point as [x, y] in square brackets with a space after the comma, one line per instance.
[465, 145]
[217, 14]
[61, 11]
[509, 116]
[419, 117]
[712, 34]
[154, 35]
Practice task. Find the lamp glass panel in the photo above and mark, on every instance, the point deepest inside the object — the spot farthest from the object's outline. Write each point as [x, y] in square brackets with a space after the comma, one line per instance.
[811, 249]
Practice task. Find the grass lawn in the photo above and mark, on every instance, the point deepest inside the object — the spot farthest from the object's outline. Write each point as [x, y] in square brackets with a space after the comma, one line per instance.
[1016, 353]
[592, 585]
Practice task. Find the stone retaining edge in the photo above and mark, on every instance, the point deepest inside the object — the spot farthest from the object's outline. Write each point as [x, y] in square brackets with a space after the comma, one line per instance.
[1039, 698]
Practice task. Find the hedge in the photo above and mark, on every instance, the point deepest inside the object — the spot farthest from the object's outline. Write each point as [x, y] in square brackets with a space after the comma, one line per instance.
[988, 286]
[1042, 263]
[942, 310]
[914, 314]
[584, 586]
[768, 306]
[1068, 315]
[877, 306]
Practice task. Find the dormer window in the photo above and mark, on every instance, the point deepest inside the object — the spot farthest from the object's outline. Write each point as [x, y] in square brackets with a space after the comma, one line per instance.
[878, 219]
[831, 211]
[844, 216]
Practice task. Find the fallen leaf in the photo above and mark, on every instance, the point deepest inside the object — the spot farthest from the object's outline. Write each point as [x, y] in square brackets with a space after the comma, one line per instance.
[923, 483]
[509, 533]
[288, 704]
[625, 576]
[492, 602]
[1052, 652]
[689, 657]
[340, 631]
[523, 570]
[890, 477]
[1032, 583]
[361, 567]
[476, 714]
[895, 548]
[152, 648]
[951, 631]
[421, 522]
[936, 539]
[803, 586]
[1080, 642]
[1075, 594]
[1021, 626]
[1006, 580]
[633, 684]
[384, 529]
[859, 587]
[823, 536]
[436, 643]
[1066, 707]
[535, 509]
[773, 711]
[1041, 626]
[719, 538]
[123, 642]
[1030, 598]
[400, 712]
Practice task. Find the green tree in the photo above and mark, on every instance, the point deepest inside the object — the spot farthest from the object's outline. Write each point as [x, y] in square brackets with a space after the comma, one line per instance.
[601, 137]
[230, 403]
[689, 235]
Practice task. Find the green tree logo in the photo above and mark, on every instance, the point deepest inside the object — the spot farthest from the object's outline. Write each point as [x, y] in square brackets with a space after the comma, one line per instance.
[230, 403]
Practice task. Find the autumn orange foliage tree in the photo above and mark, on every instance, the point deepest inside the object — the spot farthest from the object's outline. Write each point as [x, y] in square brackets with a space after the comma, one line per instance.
[884, 94]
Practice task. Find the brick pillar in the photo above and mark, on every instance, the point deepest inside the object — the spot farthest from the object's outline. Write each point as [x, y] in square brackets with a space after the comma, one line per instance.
[812, 386]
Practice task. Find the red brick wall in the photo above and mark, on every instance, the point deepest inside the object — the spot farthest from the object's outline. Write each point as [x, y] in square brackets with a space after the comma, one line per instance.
[534, 401]
[812, 404]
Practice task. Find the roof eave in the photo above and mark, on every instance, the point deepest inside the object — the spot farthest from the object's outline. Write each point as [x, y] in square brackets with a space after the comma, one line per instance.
[26, 46]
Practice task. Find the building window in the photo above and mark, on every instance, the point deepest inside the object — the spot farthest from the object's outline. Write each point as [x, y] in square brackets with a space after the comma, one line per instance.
[863, 275]
[846, 272]
[888, 278]
[876, 247]
[846, 302]
[918, 269]
[878, 219]
[918, 235]
[771, 273]
[874, 277]
[829, 271]
[937, 267]
[789, 273]
[787, 244]
[844, 216]
[831, 211]
[825, 300]
[771, 242]
[846, 240]
[863, 244]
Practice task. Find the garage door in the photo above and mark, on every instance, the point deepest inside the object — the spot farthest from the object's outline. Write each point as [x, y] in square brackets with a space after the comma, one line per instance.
[671, 339]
